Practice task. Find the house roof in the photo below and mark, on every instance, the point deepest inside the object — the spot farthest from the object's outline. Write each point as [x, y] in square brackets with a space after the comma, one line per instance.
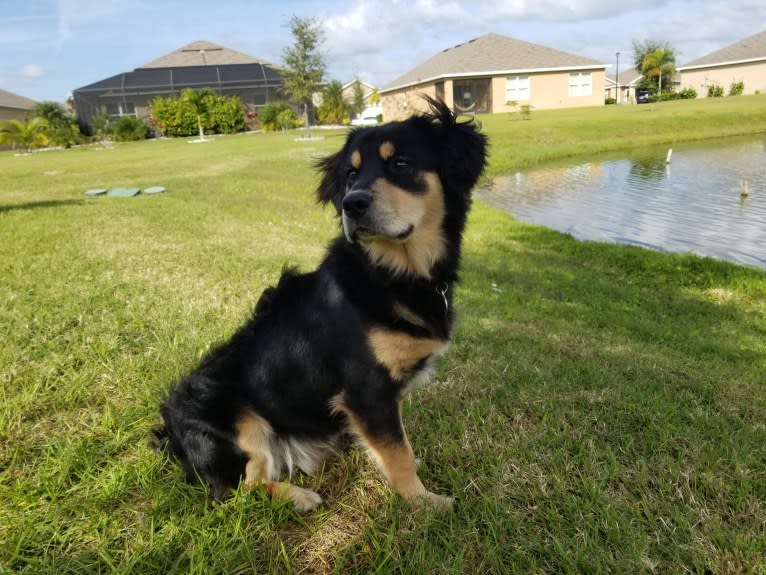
[202, 53]
[626, 78]
[11, 100]
[750, 49]
[488, 55]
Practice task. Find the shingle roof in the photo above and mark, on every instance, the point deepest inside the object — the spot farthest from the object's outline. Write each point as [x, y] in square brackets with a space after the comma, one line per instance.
[751, 48]
[11, 100]
[490, 54]
[202, 53]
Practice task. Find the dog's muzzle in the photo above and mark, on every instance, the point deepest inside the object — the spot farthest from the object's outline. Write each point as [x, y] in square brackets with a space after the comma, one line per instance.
[356, 204]
[355, 207]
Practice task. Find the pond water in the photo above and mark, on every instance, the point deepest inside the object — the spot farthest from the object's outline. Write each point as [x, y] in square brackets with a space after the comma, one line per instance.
[710, 199]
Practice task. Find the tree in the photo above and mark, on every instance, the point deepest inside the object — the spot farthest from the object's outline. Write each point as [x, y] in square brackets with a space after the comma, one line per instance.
[334, 108]
[27, 134]
[656, 61]
[62, 128]
[304, 63]
[357, 104]
[199, 100]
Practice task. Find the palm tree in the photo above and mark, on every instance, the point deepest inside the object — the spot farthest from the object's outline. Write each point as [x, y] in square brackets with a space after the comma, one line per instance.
[199, 101]
[659, 62]
[27, 134]
[334, 108]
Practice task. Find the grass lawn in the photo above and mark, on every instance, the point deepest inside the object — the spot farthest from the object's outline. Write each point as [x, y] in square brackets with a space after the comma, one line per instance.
[602, 408]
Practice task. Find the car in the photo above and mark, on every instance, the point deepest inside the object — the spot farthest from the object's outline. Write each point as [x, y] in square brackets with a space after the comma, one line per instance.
[368, 117]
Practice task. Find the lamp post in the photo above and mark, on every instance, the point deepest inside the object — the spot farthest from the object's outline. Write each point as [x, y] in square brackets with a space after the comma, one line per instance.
[617, 79]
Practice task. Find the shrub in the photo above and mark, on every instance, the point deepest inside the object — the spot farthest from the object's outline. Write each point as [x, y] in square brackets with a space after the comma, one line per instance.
[714, 91]
[62, 127]
[277, 116]
[609, 101]
[688, 94]
[129, 128]
[178, 116]
[173, 116]
[736, 88]
[226, 114]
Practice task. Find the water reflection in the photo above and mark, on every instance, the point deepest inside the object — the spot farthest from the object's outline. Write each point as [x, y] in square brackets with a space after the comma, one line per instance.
[692, 204]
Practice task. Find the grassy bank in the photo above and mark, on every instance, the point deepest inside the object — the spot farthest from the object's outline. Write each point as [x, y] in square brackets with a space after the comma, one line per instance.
[602, 407]
[558, 134]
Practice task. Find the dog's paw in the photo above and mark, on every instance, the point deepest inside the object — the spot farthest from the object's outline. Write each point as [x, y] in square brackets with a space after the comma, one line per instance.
[440, 501]
[304, 500]
[433, 500]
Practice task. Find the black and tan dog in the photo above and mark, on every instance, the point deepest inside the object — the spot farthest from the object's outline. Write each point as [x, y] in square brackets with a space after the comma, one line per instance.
[336, 349]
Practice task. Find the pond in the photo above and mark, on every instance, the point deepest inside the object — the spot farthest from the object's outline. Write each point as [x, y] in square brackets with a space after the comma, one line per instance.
[710, 199]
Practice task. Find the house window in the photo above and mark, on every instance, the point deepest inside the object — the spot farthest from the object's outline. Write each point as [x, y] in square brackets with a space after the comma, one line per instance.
[516, 88]
[580, 84]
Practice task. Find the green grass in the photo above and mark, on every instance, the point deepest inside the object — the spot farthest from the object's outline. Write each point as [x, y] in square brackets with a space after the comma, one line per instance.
[601, 410]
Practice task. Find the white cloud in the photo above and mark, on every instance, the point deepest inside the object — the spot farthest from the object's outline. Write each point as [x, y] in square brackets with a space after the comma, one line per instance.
[32, 71]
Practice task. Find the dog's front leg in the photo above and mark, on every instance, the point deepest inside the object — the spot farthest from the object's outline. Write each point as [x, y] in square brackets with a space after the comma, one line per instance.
[381, 431]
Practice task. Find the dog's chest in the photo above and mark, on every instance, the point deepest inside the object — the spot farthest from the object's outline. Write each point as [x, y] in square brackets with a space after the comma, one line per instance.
[410, 360]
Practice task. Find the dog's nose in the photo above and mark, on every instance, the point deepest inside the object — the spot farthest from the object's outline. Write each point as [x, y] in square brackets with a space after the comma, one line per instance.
[356, 204]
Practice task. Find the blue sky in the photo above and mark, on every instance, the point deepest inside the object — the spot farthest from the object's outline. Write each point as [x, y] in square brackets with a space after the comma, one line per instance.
[50, 47]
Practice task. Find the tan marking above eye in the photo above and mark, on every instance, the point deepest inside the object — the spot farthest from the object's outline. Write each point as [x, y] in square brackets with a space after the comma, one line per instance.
[387, 149]
[356, 159]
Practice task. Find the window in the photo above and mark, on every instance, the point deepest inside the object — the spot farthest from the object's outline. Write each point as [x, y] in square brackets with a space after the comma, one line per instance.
[516, 88]
[580, 84]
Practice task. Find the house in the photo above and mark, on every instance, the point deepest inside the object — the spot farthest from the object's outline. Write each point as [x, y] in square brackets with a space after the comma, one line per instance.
[625, 85]
[495, 73]
[367, 91]
[197, 65]
[743, 61]
[13, 106]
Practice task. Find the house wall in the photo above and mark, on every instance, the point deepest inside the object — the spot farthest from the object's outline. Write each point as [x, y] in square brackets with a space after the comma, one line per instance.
[752, 74]
[12, 113]
[547, 90]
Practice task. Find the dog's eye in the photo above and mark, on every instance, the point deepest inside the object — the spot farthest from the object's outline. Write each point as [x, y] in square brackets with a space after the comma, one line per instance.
[400, 165]
[351, 175]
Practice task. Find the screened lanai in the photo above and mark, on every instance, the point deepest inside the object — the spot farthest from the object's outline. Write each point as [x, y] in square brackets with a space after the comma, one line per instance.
[198, 65]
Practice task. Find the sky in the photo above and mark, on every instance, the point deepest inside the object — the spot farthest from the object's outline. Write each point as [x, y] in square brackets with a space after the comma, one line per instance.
[48, 48]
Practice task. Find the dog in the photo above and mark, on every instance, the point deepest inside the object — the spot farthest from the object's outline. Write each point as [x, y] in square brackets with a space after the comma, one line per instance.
[335, 350]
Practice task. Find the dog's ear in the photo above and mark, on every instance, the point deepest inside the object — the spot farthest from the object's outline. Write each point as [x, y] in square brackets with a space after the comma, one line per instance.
[464, 147]
[331, 186]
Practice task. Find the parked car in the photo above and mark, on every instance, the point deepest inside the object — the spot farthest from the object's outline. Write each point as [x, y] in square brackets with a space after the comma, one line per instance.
[370, 116]
[642, 96]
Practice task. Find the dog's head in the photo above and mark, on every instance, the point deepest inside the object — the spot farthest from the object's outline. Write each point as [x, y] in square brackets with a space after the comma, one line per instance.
[403, 189]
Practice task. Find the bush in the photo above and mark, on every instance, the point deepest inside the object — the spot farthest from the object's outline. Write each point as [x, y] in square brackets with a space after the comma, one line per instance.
[129, 128]
[736, 88]
[277, 116]
[173, 117]
[714, 91]
[226, 115]
[62, 127]
[178, 116]
[609, 101]
[687, 94]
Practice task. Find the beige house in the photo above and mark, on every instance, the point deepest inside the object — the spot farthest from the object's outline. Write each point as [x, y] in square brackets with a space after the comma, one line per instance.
[13, 106]
[623, 89]
[367, 91]
[495, 73]
[743, 61]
